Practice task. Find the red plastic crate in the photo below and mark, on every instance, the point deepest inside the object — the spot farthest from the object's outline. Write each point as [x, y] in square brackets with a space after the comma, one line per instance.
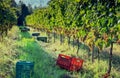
[69, 63]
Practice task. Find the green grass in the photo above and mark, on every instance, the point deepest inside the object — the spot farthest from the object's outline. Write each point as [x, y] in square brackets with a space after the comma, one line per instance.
[45, 64]
[21, 46]
[90, 70]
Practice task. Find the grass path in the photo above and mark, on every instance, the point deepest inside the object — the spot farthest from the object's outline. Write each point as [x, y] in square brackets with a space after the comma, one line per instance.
[45, 64]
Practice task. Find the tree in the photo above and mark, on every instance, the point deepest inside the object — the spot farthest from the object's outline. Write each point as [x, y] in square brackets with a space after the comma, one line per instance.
[24, 11]
[7, 16]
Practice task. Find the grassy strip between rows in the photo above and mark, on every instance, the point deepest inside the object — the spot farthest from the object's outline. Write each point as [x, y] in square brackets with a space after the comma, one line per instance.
[21, 46]
[44, 63]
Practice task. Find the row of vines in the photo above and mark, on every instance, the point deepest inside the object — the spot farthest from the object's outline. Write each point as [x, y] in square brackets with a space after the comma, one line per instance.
[95, 23]
[7, 16]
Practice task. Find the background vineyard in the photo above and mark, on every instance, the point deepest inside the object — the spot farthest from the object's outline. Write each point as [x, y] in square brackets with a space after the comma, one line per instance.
[92, 24]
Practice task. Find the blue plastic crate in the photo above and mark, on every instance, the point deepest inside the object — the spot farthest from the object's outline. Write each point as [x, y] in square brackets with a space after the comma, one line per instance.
[24, 69]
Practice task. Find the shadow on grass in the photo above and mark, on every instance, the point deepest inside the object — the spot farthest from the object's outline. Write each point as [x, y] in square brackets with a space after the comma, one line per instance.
[116, 59]
[103, 55]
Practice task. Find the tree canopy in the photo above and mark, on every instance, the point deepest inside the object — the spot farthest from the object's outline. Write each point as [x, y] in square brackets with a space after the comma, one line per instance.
[7, 15]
